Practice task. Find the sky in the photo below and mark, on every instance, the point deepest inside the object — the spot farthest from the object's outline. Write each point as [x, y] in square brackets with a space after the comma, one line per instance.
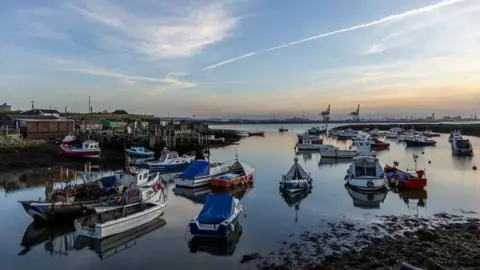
[249, 58]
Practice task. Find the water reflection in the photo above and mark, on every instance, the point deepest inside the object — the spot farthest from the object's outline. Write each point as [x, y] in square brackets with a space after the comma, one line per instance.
[306, 155]
[200, 194]
[57, 239]
[294, 200]
[332, 162]
[107, 247]
[412, 197]
[217, 246]
[366, 200]
[462, 162]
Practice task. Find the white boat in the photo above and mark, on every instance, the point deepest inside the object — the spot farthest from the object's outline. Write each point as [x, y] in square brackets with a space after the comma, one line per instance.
[409, 133]
[361, 137]
[362, 148]
[365, 173]
[118, 220]
[461, 146]
[200, 173]
[454, 135]
[134, 177]
[377, 132]
[88, 149]
[131, 196]
[296, 179]
[419, 140]
[170, 160]
[393, 132]
[346, 134]
[309, 144]
[317, 130]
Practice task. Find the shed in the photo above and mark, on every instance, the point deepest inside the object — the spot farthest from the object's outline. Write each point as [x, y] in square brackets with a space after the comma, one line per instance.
[112, 123]
[45, 128]
[13, 121]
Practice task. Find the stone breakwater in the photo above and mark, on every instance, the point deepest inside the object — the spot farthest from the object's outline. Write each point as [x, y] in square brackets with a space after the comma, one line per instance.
[466, 129]
[443, 241]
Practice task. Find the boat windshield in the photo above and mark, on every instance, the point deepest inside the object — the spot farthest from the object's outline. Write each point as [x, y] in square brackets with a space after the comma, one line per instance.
[365, 169]
[463, 144]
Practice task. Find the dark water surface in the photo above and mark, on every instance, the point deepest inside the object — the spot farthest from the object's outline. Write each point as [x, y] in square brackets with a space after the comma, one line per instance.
[453, 187]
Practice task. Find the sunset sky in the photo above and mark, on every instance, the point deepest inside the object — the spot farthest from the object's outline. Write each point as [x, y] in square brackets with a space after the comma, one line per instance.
[242, 57]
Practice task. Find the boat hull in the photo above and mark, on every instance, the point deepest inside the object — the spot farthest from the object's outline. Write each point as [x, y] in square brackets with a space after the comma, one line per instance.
[167, 167]
[413, 143]
[292, 190]
[221, 230]
[46, 211]
[120, 225]
[94, 153]
[242, 180]
[411, 182]
[311, 146]
[366, 185]
[256, 133]
[196, 182]
[137, 154]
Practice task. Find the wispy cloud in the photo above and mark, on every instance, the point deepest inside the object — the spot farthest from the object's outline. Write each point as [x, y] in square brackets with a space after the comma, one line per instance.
[165, 30]
[390, 18]
[376, 48]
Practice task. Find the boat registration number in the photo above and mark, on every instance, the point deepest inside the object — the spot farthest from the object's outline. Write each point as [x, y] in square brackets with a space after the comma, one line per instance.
[210, 226]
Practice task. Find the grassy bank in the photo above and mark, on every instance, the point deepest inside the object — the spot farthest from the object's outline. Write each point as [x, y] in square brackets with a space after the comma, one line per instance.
[466, 129]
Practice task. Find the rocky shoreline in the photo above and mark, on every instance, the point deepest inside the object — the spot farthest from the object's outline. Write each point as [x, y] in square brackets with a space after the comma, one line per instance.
[444, 241]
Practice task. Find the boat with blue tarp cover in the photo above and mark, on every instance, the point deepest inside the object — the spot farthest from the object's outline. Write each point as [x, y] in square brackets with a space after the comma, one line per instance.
[139, 152]
[296, 179]
[218, 216]
[200, 173]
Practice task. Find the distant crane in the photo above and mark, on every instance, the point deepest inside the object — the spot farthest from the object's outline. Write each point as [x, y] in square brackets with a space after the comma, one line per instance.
[356, 114]
[326, 115]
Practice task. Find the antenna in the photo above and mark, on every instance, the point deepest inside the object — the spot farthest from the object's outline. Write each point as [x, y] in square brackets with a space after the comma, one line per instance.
[89, 106]
[33, 104]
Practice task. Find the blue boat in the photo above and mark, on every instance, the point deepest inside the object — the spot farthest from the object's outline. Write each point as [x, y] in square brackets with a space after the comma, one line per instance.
[217, 218]
[296, 180]
[139, 152]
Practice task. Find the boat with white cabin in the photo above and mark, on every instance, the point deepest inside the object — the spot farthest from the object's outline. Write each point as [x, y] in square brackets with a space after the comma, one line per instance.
[393, 132]
[365, 173]
[419, 140]
[408, 133]
[170, 160]
[69, 139]
[461, 146]
[317, 130]
[118, 220]
[456, 134]
[311, 142]
[346, 134]
[376, 132]
[362, 148]
[296, 179]
[88, 149]
[200, 173]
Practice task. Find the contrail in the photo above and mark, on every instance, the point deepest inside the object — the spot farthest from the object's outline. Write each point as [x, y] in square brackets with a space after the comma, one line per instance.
[353, 28]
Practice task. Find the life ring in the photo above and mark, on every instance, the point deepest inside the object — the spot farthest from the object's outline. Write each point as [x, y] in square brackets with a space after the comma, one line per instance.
[370, 184]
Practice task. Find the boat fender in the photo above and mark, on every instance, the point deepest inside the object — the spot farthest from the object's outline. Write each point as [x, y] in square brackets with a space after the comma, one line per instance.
[370, 184]
[232, 228]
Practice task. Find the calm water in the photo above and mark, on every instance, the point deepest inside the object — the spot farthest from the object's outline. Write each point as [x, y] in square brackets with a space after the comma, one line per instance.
[453, 185]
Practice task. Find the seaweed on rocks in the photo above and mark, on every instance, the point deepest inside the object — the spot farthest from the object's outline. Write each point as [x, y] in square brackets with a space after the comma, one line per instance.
[444, 241]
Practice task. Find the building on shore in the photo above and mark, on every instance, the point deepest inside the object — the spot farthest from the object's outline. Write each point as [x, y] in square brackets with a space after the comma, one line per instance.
[39, 126]
[5, 107]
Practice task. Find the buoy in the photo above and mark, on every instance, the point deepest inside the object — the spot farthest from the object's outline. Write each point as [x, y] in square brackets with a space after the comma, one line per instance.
[423, 153]
[474, 167]
[429, 162]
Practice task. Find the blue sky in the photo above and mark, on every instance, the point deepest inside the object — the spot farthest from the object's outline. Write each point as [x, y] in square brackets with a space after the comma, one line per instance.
[242, 57]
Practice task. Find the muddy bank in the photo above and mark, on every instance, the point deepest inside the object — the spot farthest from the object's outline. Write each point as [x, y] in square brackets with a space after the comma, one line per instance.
[467, 129]
[441, 242]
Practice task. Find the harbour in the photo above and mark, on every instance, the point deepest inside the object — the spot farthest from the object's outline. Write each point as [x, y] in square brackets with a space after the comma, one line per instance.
[269, 220]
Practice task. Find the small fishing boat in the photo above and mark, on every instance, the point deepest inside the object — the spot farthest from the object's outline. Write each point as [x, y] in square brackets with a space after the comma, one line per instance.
[69, 139]
[461, 146]
[88, 149]
[409, 179]
[238, 174]
[256, 133]
[366, 200]
[377, 132]
[393, 132]
[406, 134]
[346, 134]
[361, 137]
[213, 140]
[217, 218]
[365, 173]
[419, 140]
[308, 143]
[430, 134]
[317, 130]
[282, 129]
[454, 135]
[139, 152]
[302, 135]
[200, 173]
[296, 179]
[121, 219]
[379, 145]
[362, 148]
[170, 160]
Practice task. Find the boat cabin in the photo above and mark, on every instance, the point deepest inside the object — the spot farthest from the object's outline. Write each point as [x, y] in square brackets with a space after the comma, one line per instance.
[168, 155]
[366, 167]
[462, 143]
[132, 177]
[90, 145]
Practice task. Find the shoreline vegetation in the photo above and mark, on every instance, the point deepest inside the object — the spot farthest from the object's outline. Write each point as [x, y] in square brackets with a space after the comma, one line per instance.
[444, 241]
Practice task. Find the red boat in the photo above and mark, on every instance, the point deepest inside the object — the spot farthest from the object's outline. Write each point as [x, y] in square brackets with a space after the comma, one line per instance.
[430, 134]
[256, 133]
[239, 174]
[379, 145]
[406, 180]
[88, 149]
[69, 139]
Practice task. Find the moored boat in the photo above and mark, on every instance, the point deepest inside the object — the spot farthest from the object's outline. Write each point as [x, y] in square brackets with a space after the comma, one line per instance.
[419, 140]
[405, 179]
[217, 218]
[309, 143]
[376, 132]
[256, 133]
[239, 173]
[430, 134]
[118, 220]
[379, 145]
[88, 149]
[346, 134]
[200, 173]
[170, 160]
[69, 139]
[139, 152]
[455, 134]
[212, 139]
[461, 146]
[282, 129]
[296, 179]
[362, 148]
[406, 134]
[317, 130]
[365, 173]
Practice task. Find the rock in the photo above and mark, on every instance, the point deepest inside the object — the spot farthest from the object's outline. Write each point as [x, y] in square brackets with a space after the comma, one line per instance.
[250, 257]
